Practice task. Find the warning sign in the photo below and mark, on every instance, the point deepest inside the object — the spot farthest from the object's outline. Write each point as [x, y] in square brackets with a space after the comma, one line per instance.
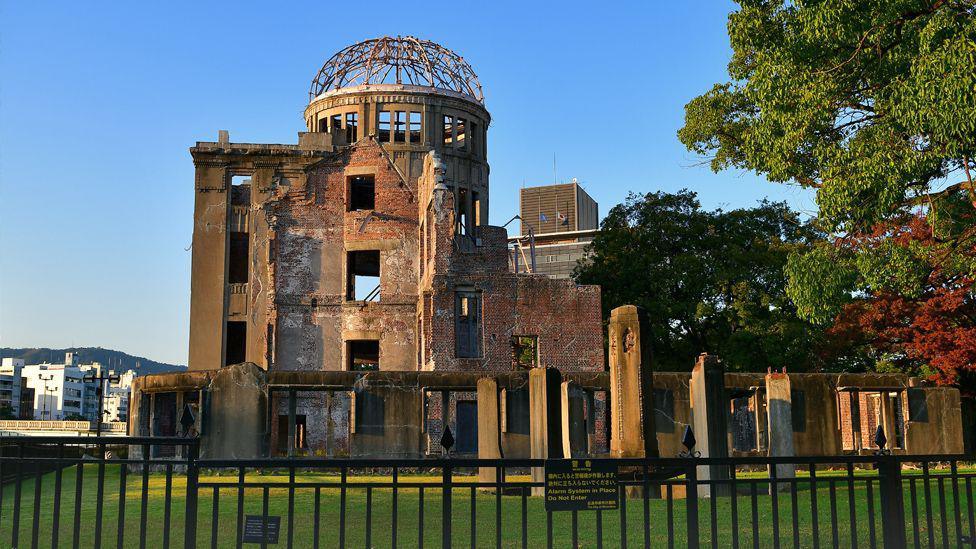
[581, 485]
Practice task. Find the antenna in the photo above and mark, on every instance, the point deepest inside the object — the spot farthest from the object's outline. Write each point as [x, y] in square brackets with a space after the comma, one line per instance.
[553, 168]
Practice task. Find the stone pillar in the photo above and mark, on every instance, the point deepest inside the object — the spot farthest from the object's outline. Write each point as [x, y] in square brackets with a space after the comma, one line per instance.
[564, 389]
[488, 426]
[709, 407]
[779, 424]
[632, 431]
[887, 419]
[545, 420]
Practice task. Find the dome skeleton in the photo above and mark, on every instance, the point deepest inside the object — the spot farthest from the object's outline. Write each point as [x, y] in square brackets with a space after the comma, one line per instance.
[400, 60]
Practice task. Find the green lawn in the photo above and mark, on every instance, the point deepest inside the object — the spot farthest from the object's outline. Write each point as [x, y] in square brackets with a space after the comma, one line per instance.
[408, 514]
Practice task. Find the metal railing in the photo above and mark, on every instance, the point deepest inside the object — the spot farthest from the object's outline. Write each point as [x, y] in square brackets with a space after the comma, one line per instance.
[93, 493]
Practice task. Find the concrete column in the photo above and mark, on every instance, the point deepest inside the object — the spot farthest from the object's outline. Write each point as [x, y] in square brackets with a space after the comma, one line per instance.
[709, 407]
[564, 389]
[632, 431]
[545, 420]
[779, 413]
[292, 408]
[488, 426]
[887, 418]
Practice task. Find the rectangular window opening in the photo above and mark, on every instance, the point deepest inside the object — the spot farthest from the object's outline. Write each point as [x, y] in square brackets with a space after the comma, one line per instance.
[323, 125]
[415, 127]
[525, 351]
[399, 126]
[237, 259]
[363, 275]
[235, 350]
[300, 439]
[335, 123]
[467, 324]
[352, 127]
[463, 219]
[448, 130]
[362, 193]
[384, 127]
[460, 133]
[363, 355]
[240, 190]
[476, 208]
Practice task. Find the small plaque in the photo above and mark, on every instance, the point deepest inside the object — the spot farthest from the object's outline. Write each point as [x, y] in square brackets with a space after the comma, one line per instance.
[581, 485]
[254, 531]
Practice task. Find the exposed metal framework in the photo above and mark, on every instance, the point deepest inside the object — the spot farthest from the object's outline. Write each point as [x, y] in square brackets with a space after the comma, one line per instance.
[397, 60]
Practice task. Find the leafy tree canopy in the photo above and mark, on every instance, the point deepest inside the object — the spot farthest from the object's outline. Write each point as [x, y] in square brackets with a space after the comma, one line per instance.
[710, 281]
[873, 104]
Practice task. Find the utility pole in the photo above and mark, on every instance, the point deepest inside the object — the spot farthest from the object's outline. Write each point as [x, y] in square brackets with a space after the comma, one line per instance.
[44, 379]
[101, 378]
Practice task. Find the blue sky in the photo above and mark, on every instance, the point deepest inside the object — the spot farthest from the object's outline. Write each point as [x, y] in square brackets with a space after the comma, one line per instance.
[99, 102]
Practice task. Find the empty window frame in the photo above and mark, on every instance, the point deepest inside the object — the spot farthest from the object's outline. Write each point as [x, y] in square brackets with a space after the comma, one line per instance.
[363, 275]
[335, 123]
[460, 133]
[384, 127]
[240, 190]
[363, 355]
[399, 126]
[352, 127]
[237, 258]
[415, 127]
[362, 193]
[463, 219]
[476, 208]
[525, 351]
[235, 351]
[448, 130]
[323, 125]
[467, 324]
[300, 439]
[473, 134]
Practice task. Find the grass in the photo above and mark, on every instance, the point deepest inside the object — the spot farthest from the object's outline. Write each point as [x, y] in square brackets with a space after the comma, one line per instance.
[380, 525]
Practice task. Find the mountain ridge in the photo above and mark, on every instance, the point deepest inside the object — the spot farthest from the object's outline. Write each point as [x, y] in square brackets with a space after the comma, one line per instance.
[112, 359]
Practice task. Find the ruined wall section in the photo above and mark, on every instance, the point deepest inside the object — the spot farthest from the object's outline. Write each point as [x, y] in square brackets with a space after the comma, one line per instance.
[314, 233]
[563, 315]
[272, 170]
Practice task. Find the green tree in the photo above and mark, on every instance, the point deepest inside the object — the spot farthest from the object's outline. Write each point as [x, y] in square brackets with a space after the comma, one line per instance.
[873, 104]
[710, 281]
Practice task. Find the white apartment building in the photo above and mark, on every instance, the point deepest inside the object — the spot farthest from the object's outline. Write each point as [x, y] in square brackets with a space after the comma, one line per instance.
[60, 391]
[11, 384]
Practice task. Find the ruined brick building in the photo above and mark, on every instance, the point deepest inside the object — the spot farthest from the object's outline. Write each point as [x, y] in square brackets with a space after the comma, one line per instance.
[366, 245]
[349, 299]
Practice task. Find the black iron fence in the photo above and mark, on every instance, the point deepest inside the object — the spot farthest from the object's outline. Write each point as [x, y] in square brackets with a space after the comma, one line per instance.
[61, 492]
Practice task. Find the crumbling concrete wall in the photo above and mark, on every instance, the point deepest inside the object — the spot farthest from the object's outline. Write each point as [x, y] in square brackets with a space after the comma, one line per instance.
[564, 316]
[313, 233]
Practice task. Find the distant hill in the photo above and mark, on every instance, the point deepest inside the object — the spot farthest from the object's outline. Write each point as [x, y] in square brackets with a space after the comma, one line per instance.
[113, 360]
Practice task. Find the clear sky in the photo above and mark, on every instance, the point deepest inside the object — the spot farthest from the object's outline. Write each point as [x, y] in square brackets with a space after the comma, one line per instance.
[99, 102]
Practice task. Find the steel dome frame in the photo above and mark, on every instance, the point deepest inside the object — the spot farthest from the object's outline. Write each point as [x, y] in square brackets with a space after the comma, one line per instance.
[397, 60]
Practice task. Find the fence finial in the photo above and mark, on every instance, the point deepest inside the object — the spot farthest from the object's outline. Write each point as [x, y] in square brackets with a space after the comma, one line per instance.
[880, 440]
[689, 442]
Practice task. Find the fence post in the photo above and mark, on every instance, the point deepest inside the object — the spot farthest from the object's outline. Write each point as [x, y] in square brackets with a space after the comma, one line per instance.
[691, 502]
[892, 501]
[192, 479]
[446, 508]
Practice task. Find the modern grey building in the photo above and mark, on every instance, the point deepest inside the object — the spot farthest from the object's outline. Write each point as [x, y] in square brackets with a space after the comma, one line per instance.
[557, 224]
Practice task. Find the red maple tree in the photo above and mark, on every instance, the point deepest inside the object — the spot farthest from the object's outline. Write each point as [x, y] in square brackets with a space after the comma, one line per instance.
[931, 333]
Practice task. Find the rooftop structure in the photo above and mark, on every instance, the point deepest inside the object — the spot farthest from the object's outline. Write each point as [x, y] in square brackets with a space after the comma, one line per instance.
[558, 222]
